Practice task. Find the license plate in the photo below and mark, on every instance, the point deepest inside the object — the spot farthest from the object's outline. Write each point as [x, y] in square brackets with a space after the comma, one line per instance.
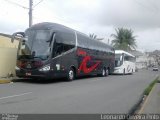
[28, 74]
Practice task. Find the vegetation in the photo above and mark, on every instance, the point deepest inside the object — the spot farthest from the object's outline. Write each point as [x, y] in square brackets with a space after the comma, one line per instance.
[149, 88]
[124, 39]
[93, 36]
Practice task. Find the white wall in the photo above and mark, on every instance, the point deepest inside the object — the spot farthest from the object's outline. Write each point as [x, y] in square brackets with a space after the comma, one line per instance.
[8, 54]
[7, 61]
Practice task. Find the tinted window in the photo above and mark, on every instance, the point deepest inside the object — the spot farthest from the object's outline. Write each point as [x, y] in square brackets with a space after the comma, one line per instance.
[67, 38]
[86, 42]
[93, 45]
[129, 58]
[36, 44]
[63, 42]
[82, 41]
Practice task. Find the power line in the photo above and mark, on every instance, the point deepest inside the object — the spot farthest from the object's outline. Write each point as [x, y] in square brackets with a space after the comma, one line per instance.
[17, 4]
[37, 3]
[31, 6]
[150, 6]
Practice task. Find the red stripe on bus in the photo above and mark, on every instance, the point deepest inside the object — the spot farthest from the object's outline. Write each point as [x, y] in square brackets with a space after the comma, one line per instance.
[83, 67]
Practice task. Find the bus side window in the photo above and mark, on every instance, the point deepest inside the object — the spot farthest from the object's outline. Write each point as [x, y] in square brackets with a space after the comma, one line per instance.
[68, 39]
[129, 58]
[63, 42]
[126, 58]
[58, 48]
[83, 41]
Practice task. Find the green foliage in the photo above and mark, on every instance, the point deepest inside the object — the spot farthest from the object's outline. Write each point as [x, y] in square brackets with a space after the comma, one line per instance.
[124, 39]
[149, 88]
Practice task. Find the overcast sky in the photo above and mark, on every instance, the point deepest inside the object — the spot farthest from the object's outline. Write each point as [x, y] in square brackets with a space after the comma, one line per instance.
[100, 17]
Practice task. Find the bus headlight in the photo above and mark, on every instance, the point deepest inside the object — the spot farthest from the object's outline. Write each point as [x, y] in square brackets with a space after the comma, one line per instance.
[45, 68]
[17, 68]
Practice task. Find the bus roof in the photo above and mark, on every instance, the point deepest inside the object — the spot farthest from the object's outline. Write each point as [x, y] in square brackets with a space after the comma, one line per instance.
[122, 51]
[59, 27]
[49, 26]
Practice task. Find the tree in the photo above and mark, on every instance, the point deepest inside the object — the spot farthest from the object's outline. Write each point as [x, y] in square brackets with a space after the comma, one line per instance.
[124, 39]
[93, 36]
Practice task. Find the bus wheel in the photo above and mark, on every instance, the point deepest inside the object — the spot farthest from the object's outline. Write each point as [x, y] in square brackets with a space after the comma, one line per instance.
[124, 72]
[103, 72]
[71, 74]
[132, 72]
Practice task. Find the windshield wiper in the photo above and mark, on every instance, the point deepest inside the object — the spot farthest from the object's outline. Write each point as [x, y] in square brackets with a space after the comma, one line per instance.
[42, 58]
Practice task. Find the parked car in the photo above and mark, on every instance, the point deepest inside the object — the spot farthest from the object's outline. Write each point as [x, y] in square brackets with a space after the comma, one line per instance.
[155, 68]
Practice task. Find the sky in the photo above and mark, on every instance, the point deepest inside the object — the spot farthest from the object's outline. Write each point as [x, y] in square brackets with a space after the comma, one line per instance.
[100, 17]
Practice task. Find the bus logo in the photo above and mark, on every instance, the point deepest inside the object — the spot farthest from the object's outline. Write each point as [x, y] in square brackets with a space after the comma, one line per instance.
[83, 67]
[29, 65]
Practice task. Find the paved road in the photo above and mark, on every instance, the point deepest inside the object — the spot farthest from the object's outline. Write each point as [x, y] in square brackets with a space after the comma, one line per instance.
[113, 94]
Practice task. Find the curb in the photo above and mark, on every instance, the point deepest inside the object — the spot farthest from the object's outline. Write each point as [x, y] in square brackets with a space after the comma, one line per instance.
[146, 101]
[138, 107]
[5, 81]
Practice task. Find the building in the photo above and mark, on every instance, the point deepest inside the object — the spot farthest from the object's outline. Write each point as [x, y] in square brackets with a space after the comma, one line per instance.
[8, 53]
[143, 60]
[156, 55]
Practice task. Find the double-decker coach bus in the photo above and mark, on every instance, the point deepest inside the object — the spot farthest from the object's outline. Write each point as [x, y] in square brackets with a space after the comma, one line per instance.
[124, 62]
[50, 50]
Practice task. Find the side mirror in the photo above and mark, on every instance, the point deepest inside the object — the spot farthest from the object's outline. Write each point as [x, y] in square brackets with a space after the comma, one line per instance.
[121, 58]
[17, 35]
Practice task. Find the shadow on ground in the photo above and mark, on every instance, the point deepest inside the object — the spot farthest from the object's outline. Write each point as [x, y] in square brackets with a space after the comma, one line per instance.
[58, 80]
[49, 81]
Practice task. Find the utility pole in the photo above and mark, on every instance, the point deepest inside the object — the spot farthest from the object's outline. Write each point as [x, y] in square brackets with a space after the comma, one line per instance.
[108, 41]
[30, 12]
[30, 8]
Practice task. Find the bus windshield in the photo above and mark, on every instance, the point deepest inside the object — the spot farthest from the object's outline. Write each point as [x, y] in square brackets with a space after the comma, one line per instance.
[36, 44]
[118, 60]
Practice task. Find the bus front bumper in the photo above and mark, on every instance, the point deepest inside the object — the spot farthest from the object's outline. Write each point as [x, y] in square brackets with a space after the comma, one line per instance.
[39, 74]
[118, 71]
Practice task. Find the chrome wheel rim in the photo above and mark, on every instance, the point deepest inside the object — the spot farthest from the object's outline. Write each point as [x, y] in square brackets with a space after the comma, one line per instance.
[71, 75]
[103, 72]
[107, 72]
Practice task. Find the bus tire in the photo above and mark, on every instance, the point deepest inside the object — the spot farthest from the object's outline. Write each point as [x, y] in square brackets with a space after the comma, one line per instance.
[132, 72]
[124, 71]
[71, 74]
[107, 71]
[103, 72]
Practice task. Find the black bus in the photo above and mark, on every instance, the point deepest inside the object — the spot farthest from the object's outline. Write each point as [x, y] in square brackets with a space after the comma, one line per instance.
[50, 50]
